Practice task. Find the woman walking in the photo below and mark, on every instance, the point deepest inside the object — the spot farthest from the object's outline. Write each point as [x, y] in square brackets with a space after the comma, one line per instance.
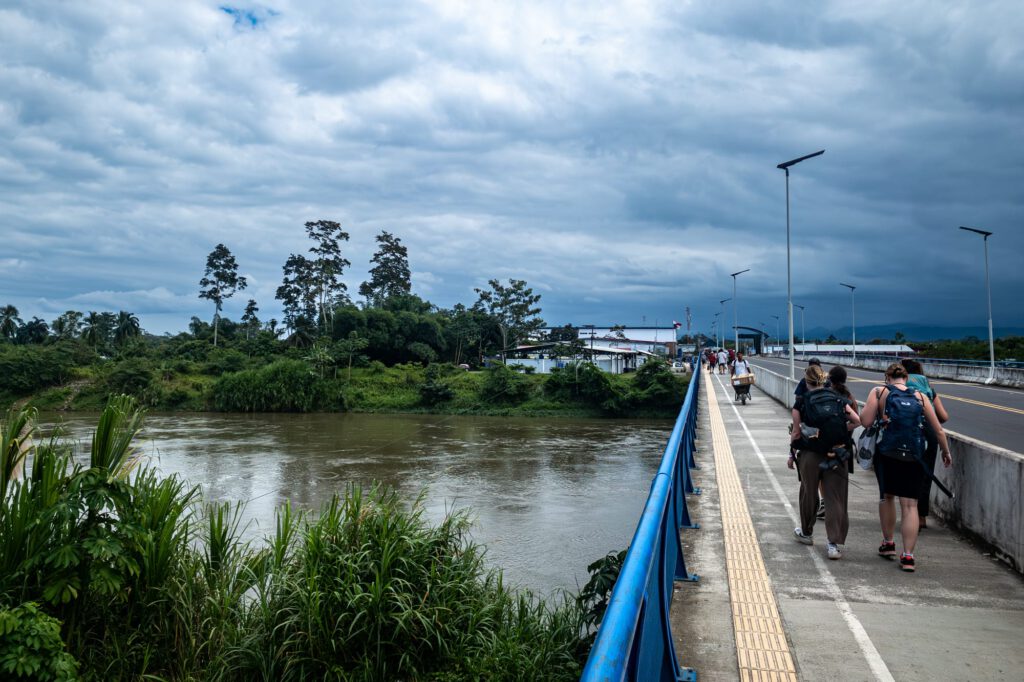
[898, 465]
[822, 421]
[917, 380]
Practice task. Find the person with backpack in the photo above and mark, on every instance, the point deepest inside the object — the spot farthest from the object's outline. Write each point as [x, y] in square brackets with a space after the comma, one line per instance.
[898, 463]
[918, 381]
[801, 387]
[822, 422]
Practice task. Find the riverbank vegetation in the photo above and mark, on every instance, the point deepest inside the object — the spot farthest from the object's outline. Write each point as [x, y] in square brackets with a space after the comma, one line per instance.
[394, 351]
[109, 572]
[51, 378]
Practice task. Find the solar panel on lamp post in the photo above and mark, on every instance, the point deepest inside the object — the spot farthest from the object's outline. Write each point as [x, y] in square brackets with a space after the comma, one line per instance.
[789, 276]
[988, 292]
[853, 317]
[735, 314]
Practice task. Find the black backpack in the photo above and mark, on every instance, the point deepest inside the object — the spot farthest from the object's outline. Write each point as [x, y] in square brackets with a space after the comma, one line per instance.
[825, 410]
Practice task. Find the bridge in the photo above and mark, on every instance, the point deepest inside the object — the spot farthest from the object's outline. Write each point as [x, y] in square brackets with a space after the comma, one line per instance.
[736, 598]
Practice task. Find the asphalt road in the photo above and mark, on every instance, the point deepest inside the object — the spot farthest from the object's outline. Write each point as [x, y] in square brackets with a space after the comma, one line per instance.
[994, 414]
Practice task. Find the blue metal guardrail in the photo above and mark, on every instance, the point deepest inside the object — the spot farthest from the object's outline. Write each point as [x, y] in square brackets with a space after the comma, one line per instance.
[634, 641]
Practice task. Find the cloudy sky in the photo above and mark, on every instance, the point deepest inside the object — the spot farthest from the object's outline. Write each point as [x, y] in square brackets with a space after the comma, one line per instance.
[620, 157]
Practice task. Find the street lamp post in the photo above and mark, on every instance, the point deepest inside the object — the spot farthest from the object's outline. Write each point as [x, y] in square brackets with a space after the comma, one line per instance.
[988, 291]
[735, 313]
[722, 311]
[853, 317]
[716, 323]
[803, 332]
[777, 339]
[789, 276]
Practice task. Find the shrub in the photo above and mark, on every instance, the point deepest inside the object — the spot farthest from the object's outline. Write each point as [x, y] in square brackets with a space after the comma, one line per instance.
[224, 360]
[132, 376]
[151, 584]
[282, 386]
[583, 382]
[26, 369]
[31, 647]
[502, 385]
[654, 385]
[434, 390]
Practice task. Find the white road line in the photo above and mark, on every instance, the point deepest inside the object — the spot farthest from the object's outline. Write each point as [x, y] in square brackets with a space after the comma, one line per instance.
[871, 655]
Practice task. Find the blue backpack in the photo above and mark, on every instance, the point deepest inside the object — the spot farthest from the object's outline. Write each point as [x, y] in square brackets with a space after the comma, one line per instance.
[903, 436]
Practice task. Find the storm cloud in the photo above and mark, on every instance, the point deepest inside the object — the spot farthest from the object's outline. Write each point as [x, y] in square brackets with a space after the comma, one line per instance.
[621, 158]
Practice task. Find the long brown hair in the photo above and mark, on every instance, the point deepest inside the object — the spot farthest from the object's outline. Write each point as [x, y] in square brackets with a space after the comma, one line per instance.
[896, 371]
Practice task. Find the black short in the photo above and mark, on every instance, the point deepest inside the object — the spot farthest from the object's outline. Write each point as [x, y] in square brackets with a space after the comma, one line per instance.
[898, 477]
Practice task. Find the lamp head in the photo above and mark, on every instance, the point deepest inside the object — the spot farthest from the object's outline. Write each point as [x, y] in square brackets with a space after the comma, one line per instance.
[786, 164]
[984, 233]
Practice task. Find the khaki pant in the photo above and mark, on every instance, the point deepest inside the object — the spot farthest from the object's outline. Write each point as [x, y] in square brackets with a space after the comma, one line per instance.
[835, 484]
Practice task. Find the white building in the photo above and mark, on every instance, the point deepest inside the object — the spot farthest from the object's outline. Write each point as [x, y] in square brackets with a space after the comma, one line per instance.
[653, 340]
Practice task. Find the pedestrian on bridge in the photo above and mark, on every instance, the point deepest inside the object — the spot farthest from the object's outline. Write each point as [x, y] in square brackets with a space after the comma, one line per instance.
[822, 422]
[918, 381]
[723, 361]
[899, 466]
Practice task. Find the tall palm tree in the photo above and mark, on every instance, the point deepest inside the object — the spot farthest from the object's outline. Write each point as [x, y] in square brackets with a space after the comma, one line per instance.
[9, 321]
[126, 327]
[33, 331]
[92, 329]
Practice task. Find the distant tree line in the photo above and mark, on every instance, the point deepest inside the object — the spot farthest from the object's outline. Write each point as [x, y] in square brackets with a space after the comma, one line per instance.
[321, 326]
[390, 324]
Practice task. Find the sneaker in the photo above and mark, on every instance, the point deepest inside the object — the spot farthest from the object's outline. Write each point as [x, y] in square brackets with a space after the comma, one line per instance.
[887, 549]
[821, 509]
[834, 552]
[798, 532]
[907, 562]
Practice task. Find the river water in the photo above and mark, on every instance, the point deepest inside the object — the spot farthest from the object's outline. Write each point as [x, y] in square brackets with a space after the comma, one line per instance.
[547, 496]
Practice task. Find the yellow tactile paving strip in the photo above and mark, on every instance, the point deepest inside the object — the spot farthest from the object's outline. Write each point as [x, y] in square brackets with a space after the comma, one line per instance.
[761, 647]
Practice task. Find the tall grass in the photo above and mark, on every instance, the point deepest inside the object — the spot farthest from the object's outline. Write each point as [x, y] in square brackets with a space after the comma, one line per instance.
[149, 583]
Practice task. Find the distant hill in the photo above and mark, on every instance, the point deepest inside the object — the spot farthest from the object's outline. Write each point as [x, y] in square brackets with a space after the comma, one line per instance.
[912, 332]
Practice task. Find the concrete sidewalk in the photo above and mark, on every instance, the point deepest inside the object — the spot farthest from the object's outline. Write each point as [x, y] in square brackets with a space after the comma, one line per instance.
[959, 617]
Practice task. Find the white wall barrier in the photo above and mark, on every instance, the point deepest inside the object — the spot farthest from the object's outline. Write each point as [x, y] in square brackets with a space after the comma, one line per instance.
[987, 483]
[1004, 376]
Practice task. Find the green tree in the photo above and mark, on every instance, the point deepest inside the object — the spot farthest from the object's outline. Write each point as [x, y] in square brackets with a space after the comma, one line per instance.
[327, 267]
[33, 331]
[390, 276]
[9, 322]
[514, 309]
[68, 325]
[321, 359]
[220, 281]
[249, 319]
[296, 290]
[462, 330]
[127, 327]
[350, 348]
[93, 329]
